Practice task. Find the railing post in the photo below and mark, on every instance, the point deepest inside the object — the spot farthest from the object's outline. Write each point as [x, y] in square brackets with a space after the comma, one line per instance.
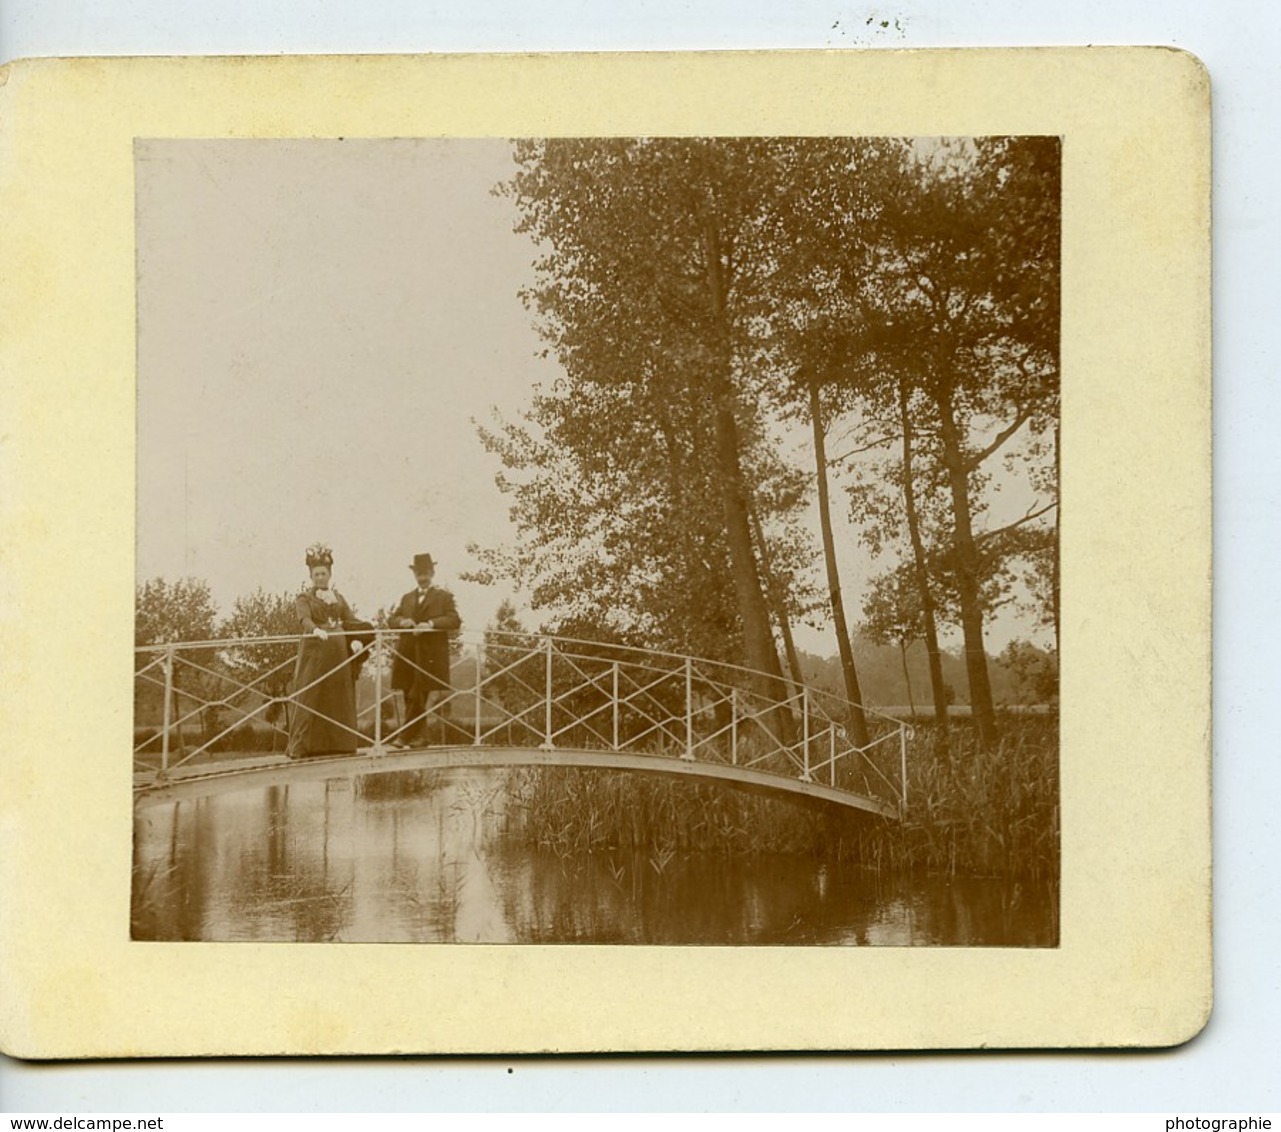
[164, 736]
[616, 705]
[689, 710]
[733, 727]
[831, 751]
[479, 669]
[902, 744]
[379, 659]
[805, 735]
[547, 728]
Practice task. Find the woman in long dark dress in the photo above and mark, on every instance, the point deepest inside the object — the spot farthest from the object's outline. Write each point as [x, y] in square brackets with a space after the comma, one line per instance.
[324, 717]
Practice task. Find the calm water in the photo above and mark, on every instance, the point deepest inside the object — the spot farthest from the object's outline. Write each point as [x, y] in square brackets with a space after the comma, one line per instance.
[433, 857]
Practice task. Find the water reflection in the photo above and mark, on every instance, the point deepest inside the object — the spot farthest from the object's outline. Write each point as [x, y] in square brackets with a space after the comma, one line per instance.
[431, 856]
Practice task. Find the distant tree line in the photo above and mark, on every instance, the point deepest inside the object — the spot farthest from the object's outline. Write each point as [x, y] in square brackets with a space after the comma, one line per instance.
[897, 301]
[167, 612]
[1023, 675]
[184, 610]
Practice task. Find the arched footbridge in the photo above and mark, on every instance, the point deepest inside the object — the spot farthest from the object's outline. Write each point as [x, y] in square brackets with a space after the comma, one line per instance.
[214, 716]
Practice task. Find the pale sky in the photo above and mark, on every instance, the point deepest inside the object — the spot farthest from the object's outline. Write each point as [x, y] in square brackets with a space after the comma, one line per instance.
[319, 324]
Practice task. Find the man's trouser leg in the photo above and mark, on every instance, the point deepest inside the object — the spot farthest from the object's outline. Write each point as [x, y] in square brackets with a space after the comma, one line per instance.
[434, 697]
[415, 716]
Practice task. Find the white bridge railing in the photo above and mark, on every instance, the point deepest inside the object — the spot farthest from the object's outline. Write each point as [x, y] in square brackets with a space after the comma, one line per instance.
[198, 700]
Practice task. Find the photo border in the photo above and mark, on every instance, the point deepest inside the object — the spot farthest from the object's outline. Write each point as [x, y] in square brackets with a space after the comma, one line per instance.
[1133, 967]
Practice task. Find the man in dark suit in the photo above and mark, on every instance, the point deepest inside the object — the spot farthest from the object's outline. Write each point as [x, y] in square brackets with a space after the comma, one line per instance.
[420, 668]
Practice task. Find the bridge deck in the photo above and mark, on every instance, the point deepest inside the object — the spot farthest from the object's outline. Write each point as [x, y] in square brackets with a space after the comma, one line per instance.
[252, 772]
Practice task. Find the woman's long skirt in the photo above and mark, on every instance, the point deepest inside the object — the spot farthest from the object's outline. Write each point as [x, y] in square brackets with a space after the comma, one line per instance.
[324, 711]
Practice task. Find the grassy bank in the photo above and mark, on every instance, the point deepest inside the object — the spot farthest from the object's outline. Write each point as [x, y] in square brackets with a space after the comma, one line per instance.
[973, 813]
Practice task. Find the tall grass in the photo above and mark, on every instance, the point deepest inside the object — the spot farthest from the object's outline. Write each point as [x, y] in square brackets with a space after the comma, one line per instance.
[574, 810]
[974, 813]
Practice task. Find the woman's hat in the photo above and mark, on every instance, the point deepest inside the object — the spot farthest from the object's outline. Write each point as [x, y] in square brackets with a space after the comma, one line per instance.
[422, 562]
[318, 554]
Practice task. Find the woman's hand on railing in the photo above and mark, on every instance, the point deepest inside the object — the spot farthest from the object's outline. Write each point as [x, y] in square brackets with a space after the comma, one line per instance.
[320, 634]
[356, 646]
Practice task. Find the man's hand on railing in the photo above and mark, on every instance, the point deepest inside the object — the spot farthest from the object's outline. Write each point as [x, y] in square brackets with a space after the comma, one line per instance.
[424, 627]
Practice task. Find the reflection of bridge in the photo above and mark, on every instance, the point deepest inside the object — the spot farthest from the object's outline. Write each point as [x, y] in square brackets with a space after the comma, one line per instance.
[212, 716]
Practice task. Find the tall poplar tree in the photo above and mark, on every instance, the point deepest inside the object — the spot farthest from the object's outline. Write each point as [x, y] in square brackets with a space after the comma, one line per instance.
[968, 297]
[640, 283]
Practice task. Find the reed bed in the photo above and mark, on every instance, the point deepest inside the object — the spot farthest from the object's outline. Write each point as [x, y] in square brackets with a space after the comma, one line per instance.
[971, 812]
[572, 810]
[978, 813]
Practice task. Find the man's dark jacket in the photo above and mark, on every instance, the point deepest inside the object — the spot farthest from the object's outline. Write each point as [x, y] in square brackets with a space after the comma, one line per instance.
[430, 650]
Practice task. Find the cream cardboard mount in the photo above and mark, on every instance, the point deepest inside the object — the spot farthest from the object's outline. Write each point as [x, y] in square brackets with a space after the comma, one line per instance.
[1133, 964]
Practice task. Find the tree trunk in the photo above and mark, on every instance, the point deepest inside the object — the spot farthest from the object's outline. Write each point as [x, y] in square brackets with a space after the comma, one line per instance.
[907, 679]
[713, 627]
[921, 567]
[777, 600]
[758, 639]
[967, 577]
[858, 721]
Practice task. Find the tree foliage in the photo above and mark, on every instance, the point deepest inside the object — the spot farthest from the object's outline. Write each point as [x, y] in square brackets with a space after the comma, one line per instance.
[260, 614]
[702, 296]
[1034, 672]
[952, 305]
[892, 609]
[168, 612]
[634, 478]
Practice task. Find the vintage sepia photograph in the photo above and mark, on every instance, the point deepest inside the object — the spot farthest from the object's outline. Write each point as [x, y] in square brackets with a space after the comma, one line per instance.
[628, 540]
[585, 534]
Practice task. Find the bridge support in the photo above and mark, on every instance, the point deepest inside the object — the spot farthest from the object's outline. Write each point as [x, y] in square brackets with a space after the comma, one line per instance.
[902, 746]
[378, 748]
[688, 756]
[805, 736]
[168, 712]
[733, 727]
[477, 733]
[548, 744]
[615, 703]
